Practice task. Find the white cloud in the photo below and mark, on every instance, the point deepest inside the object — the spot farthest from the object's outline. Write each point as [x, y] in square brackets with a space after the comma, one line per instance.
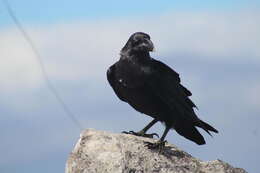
[85, 49]
[216, 35]
[18, 65]
[82, 51]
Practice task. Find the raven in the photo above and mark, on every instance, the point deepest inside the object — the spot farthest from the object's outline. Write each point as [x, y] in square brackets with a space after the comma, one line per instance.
[153, 88]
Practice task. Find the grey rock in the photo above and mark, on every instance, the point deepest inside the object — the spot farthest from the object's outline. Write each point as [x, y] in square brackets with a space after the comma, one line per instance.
[104, 152]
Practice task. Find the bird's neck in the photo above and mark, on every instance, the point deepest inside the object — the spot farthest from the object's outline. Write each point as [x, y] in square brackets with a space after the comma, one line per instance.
[140, 57]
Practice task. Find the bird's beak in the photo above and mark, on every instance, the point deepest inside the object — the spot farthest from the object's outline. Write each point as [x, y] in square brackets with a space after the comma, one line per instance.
[150, 46]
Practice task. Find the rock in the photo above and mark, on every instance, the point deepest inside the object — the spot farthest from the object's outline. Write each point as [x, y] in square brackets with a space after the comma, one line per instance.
[104, 152]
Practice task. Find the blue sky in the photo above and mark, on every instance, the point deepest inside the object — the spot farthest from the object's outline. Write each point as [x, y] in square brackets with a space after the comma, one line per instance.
[61, 11]
[213, 45]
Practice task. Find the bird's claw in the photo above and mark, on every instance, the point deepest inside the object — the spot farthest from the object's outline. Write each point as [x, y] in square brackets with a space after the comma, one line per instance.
[159, 145]
[151, 135]
[130, 132]
[141, 134]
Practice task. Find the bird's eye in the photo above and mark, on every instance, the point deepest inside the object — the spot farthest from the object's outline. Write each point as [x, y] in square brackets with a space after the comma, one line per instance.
[136, 42]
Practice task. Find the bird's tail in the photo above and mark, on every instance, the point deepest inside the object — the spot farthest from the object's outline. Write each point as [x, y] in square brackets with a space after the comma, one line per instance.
[205, 126]
[189, 131]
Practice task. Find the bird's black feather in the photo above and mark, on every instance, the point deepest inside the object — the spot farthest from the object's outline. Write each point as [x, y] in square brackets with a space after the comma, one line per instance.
[153, 88]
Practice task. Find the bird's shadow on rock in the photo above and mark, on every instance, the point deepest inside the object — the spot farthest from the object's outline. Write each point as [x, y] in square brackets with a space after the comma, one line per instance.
[170, 152]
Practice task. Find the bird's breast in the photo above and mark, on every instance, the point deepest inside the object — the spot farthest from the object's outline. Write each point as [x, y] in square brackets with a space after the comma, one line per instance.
[130, 75]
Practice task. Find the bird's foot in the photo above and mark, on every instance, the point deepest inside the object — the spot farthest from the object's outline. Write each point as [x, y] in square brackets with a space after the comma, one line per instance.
[141, 133]
[159, 145]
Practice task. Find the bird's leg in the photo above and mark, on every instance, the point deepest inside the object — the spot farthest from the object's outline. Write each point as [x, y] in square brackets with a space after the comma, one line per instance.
[144, 130]
[159, 144]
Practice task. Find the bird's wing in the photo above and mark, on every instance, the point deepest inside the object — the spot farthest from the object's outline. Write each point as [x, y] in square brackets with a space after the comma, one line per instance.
[113, 82]
[164, 82]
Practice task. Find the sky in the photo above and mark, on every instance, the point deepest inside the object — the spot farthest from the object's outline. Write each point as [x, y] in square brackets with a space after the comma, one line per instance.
[213, 45]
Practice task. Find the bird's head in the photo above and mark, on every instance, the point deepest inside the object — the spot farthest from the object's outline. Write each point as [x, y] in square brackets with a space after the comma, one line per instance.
[138, 42]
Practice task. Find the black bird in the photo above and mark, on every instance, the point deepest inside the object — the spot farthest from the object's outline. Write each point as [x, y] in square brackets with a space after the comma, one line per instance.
[153, 88]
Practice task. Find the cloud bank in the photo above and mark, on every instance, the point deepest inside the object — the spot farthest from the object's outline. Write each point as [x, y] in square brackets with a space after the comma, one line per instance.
[87, 48]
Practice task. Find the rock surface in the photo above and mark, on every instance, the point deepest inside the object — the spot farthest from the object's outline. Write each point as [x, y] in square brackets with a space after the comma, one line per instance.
[104, 152]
